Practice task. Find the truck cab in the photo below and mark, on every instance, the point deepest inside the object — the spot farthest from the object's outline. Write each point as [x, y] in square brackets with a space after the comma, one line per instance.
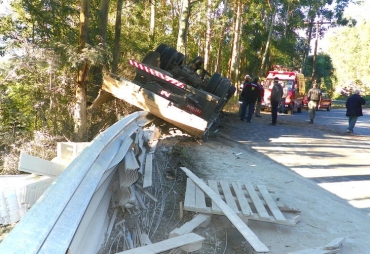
[293, 81]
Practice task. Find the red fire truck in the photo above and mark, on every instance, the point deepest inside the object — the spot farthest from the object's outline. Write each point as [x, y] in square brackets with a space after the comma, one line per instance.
[295, 83]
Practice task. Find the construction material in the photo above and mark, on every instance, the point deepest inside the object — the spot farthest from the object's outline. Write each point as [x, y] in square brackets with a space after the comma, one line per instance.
[189, 242]
[248, 234]
[50, 225]
[38, 166]
[247, 201]
[202, 220]
[333, 247]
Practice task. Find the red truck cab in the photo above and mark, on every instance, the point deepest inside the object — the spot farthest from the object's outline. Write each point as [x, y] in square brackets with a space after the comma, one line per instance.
[295, 83]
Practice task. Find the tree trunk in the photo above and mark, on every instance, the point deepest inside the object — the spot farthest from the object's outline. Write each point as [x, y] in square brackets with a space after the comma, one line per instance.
[183, 26]
[80, 119]
[208, 35]
[117, 37]
[267, 43]
[307, 48]
[152, 21]
[96, 72]
[234, 54]
[221, 40]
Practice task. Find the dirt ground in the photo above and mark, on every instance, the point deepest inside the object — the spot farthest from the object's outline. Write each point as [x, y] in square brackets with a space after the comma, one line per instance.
[236, 151]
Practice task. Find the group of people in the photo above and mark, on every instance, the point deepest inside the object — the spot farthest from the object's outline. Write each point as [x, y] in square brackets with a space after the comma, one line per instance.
[354, 105]
[251, 98]
[252, 94]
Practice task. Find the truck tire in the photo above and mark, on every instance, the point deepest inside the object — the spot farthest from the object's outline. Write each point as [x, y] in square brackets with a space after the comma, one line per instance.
[197, 63]
[179, 59]
[168, 58]
[222, 88]
[161, 49]
[291, 109]
[213, 83]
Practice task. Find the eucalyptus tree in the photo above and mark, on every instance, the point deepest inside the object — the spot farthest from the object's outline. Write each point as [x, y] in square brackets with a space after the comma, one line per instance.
[320, 12]
[350, 51]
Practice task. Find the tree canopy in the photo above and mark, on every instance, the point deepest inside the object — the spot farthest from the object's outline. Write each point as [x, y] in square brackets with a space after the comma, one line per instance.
[39, 83]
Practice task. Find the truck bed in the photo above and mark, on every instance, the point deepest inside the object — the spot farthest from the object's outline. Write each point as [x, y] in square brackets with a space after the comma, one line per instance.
[157, 105]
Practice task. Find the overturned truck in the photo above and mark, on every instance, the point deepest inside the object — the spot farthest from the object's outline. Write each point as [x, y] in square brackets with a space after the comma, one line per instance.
[184, 95]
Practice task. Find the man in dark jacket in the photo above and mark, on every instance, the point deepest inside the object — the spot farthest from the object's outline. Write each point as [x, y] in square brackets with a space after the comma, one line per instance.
[250, 94]
[354, 109]
[314, 98]
[262, 94]
[276, 94]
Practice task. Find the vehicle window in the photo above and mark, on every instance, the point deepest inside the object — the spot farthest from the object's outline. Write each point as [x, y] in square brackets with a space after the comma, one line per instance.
[288, 84]
[268, 84]
[325, 96]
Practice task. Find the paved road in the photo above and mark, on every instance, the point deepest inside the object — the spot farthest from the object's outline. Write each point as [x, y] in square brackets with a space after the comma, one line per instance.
[337, 120]
[323, 151]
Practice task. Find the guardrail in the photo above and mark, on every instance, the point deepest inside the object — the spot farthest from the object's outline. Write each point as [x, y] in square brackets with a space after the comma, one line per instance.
[61, 220]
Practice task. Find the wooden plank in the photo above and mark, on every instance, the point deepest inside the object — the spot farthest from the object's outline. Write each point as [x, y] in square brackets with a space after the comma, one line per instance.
[271, 203]
[213, 185]
[165, 245]
[336, 243]
[147, 181]
[317, 250]
[189, 226]
[248, 234]
[257, 202]
[229, 198]
[146, 193]
[200, 200]
[32, 164]
[243, 202]
[190, 195]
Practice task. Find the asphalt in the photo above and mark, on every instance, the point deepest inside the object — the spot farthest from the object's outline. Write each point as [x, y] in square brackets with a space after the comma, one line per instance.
[322, 152]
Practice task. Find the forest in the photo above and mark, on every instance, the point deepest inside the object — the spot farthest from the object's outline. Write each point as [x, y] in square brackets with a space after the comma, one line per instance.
[57, 52]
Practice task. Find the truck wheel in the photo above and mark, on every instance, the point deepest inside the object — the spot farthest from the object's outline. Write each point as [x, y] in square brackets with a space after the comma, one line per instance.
[328, 108]
[161, 49]
[291, 109]
[168, 58]
[213, 83]
[197, 63]
[222, 88]
[179, 59]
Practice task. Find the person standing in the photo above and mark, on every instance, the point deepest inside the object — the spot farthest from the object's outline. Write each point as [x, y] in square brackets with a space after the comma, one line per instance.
[259, 100]
[249, 96]
[354, 109]
[314, 98]
[247, 79]
[276, 94]
[283, 98]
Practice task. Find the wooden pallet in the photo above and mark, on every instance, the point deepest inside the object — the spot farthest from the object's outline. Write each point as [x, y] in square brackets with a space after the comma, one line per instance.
[247, 201]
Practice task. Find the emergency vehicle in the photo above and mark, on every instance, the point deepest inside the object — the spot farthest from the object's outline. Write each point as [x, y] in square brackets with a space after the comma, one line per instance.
[295, 83]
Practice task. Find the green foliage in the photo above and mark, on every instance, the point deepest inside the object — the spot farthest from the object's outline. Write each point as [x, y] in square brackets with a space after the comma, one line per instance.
[350, 51]
[38, 86]
[324, 72]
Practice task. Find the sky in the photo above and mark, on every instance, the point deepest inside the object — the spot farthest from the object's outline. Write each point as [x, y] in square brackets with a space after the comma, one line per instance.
[4, 7]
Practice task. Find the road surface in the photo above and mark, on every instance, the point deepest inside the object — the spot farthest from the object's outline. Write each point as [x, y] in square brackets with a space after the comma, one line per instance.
[323, 152]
